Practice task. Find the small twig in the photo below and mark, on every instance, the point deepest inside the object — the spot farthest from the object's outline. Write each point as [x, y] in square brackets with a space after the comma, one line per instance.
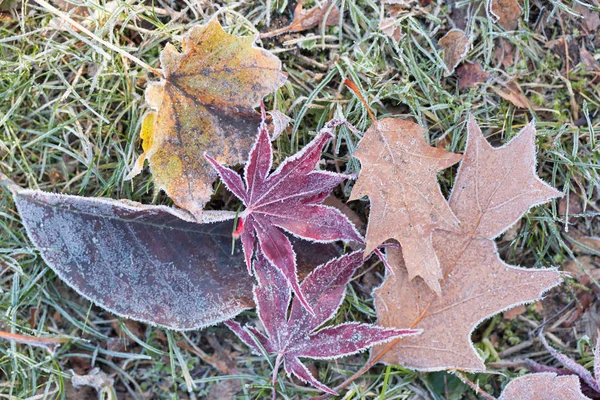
[515, 349]
[50, 344]
[473, 386]
[83, 29]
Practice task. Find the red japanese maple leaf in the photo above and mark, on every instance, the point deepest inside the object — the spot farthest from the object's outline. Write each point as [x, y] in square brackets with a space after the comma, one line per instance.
[296, 336]
[288, 199]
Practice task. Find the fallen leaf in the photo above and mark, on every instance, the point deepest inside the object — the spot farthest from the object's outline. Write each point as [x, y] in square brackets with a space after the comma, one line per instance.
[543, 386]
[588, 60]
[204, 104]
[358, 222]
[511, 91]
[506, 13]
[389, 27]
[148, 263]
[470, 75]
[589, 321]
[583, 270]
[72, 9]
[512, 233]
[279, 123]
[297, 335]
[590, 384]
[569, 207]
[460, 15]
[69, 392]
[566, 48]
[96, 379]
[505, 53]
[591, 243]
[290, 199]
[225, 390]
[399, 174]
[456, 45]
[590, 19]
[308, 19]
[493, 189]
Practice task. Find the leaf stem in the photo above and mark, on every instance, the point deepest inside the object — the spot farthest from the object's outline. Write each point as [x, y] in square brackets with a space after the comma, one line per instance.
[275, 371]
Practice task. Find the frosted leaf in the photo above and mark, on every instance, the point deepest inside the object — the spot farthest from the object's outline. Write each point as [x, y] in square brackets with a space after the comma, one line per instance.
[298, 335]
[148, 263]
[289, 199]
[399, 174]
[493, 189]
[543, 386]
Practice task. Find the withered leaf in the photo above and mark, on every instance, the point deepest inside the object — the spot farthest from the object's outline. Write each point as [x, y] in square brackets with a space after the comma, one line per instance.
[470, 75]
[511, 91]
[543, 386]
[590, 19]
[390, 28]
[590, 383]
[204, 104]
[505, 53]
[456, 45]
[96, 379]
[148, 263]
[588, 60]
[279, 123]
[308, 19]
[506, 13]
[493, 189]
[399, 174]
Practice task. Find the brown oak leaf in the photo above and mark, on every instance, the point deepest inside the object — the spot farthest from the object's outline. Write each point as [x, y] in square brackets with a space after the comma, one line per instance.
[456, 45]
[543, 386]
[398, 174]
[493, 189]
[204, 104]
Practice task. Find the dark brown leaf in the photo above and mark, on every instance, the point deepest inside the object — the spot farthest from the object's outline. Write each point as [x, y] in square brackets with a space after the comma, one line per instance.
[148, 263]
[470, 75]
[590, 19]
